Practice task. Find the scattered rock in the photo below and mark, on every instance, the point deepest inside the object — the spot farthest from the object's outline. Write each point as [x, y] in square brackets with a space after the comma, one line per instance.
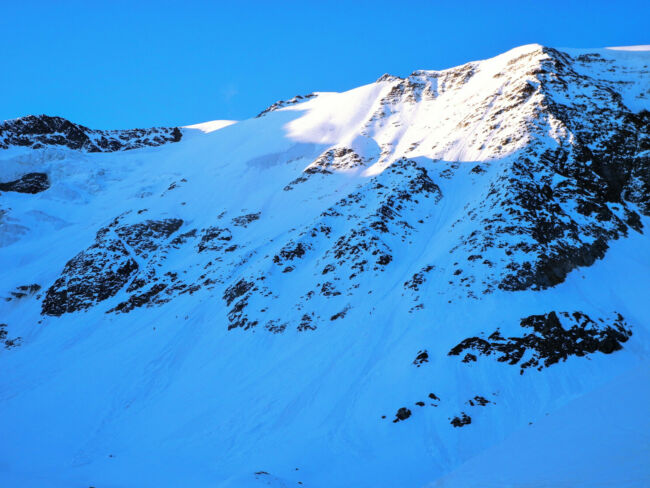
[402, 414]
[422, 357]
[461, 421]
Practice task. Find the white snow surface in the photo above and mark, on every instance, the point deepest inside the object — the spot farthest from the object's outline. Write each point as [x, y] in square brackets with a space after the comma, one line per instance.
[640, 47]
[211, 125]
[168, 395]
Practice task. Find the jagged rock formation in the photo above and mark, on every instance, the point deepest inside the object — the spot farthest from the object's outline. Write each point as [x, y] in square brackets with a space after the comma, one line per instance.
[285, 103]
[553, 339]
[38, 131]
[120, 256]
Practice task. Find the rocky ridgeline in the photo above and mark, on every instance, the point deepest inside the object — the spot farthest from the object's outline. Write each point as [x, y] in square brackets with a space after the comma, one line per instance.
[286, 103]
[38, 131]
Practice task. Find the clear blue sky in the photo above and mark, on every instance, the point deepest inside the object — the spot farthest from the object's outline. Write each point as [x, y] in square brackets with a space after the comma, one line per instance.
[119, 64]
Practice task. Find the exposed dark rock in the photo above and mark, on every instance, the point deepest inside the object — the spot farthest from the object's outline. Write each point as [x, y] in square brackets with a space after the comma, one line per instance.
[418, 279]
[183, 238]
[306, 322]
[286, 103]
[340, 314]
[244, 220]
[90, 277]
[28, 183]
[31, 289]
[328, 290]
[422, 357]
[239, 294]
[290, 252]
[478, 400]
[139, 300]
[550, 341]
[145, 237]
[8, 343]
[37, 131]
[384, 259]
[461, 421]
[213, 239]
[107, 266]
[402, 414]
[275, 326]
[340, 158]
[23, 291]
[237, 290]
[555, 207]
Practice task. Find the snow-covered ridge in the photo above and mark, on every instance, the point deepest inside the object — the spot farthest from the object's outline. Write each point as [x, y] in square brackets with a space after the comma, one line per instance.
[368, 288]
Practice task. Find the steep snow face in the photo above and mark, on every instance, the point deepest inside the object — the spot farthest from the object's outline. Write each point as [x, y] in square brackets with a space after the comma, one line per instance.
[382, 287]
[211, 126]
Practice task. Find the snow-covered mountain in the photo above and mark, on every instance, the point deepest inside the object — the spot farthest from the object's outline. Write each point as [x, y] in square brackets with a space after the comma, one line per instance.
[437, 280]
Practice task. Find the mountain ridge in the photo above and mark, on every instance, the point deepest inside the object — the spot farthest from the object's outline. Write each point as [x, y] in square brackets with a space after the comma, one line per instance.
[386, 282]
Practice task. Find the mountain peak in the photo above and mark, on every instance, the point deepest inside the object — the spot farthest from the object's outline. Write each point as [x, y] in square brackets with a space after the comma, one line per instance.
[407, 273]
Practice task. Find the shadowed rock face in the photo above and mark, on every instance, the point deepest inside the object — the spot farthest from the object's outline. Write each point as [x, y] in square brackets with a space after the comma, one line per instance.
[114, 260]
[555, 337]
[28, 183]
[40, 131]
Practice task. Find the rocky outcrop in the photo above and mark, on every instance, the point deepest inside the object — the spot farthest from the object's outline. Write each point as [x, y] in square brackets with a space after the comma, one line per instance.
[114, 260]
[576, 184]
[285, 103]
[337, 159]
[402, 414]
[38, 131]
[28, 183]
[461, 420]
[554, 337]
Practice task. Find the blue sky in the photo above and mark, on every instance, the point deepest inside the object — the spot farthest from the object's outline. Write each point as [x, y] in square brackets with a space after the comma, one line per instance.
[124, 64]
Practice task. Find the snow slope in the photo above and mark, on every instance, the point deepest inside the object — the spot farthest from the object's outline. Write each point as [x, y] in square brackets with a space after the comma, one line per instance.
[437, 280]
